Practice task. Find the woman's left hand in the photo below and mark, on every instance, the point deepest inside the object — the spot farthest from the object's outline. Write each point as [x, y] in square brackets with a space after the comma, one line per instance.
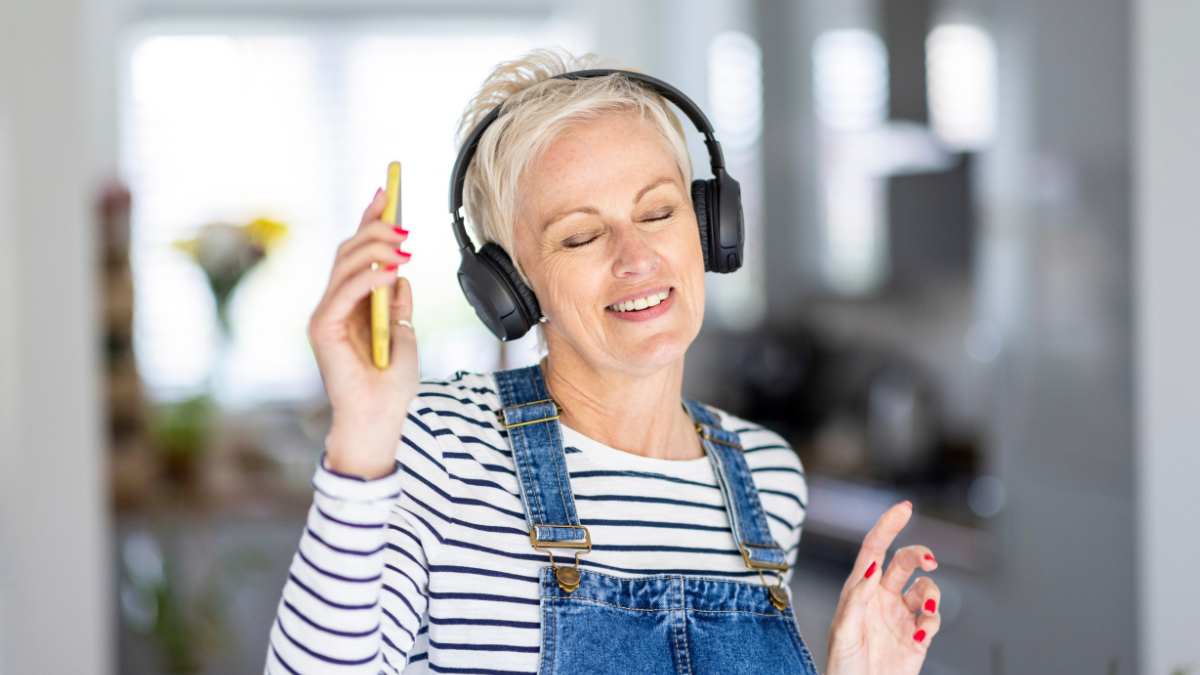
[878, 628]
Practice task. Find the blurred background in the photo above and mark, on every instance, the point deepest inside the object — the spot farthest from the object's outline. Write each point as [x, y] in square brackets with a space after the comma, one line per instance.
[972, 281]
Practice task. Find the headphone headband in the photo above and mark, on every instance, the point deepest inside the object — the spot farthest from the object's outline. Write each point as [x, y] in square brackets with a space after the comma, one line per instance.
[466, 153]
[489, 279]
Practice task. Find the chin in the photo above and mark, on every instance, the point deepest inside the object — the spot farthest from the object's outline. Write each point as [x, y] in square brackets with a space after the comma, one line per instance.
[655, 352]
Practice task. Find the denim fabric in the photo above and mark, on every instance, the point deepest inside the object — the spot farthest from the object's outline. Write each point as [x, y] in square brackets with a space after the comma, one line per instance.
[737, 487]
[654, 624]
[666, 624]
[538, 455]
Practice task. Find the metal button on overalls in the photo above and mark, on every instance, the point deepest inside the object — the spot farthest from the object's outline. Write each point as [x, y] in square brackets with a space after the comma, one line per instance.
[667, 623]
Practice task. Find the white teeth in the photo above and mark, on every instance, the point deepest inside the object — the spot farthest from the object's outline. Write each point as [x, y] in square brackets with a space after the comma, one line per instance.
[641, 303]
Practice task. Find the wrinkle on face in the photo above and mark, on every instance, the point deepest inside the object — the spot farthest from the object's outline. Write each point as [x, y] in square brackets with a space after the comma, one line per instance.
[600, 183]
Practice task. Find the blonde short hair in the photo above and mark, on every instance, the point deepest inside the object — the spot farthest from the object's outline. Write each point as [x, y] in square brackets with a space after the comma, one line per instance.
[536, 110]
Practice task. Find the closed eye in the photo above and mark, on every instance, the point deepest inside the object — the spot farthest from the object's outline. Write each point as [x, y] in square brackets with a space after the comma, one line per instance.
[576, 243]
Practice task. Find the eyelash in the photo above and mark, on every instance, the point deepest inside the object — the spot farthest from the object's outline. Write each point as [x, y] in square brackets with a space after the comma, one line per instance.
[569, 244]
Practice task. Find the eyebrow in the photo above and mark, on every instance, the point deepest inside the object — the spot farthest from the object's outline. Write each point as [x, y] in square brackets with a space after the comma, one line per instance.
[658, 183]
[592, 210]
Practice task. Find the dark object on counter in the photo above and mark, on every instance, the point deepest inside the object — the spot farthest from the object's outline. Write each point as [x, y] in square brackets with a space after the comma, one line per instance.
[777, 374]
[902, 425]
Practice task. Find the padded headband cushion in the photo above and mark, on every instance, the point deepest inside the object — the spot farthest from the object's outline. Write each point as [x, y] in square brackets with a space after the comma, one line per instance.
[500, 259]
[700, 204]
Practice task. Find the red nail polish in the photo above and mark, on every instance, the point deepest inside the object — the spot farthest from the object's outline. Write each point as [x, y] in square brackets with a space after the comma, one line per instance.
[400, 230]
[930, 558]
[930, 606]
[870, 571]
[920, 635]
[406, 255]
[399, 252]
[392, 266]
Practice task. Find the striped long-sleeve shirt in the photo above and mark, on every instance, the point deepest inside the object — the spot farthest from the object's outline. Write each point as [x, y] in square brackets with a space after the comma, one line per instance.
[430, 569]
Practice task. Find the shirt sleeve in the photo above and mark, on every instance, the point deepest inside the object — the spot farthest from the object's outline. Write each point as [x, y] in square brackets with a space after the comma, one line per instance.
[357, 589]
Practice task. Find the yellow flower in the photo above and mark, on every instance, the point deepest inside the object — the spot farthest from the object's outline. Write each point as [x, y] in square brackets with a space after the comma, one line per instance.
[266, 234]
[191, 246]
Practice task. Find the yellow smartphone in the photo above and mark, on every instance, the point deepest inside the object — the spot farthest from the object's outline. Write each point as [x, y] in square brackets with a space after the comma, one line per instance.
[381, 295]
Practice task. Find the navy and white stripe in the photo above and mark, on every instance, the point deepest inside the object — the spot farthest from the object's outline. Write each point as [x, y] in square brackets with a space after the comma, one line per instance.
[430, 569]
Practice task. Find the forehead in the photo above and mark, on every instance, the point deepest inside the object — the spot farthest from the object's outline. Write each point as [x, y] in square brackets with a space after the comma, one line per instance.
[611, 153]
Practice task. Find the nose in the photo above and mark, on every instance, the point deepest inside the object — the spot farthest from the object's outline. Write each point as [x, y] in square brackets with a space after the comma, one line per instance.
[635, 257]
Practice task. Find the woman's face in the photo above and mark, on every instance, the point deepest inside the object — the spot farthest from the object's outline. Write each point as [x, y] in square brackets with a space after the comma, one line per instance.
[606, 234]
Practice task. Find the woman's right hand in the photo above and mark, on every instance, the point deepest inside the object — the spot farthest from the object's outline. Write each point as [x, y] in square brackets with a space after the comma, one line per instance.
[369, 405]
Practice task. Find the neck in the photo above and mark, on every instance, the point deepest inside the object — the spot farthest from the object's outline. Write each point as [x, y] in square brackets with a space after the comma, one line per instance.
[640, 414]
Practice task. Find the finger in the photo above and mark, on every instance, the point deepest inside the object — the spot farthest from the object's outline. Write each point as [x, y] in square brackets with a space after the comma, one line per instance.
[342, 300]
[877, 541]
[924, 597]
[401, 305]
[375, 209]
[403, 337]
[848, 629]
[373, 232]
[377, 252]
[904, 563]
[927, 626]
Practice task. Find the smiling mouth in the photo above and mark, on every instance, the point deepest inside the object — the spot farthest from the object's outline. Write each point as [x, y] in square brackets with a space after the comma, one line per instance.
[640, 303]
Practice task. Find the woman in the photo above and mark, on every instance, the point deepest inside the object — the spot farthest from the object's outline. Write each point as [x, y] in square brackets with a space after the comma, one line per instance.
[577, 516]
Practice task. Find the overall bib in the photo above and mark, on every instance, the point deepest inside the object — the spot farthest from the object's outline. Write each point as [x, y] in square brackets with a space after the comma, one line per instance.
[659, 624]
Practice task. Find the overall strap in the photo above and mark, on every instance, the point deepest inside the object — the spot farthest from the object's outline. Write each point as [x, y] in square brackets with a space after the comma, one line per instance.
[746, 515]
[531, 418]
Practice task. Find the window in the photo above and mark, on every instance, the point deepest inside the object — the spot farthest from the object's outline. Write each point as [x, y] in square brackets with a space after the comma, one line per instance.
[850, 92]
[735, 106]
[961, 65]
[297, 126]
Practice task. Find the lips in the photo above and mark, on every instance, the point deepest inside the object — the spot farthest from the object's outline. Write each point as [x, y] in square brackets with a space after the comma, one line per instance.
[655, 303]
[638, 304]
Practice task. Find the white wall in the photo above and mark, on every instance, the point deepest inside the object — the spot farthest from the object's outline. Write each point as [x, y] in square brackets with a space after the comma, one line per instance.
[54, 573]
[1167, 216]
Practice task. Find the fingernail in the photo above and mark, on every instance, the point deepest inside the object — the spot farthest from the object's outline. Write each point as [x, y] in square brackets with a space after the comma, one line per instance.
[377, 191]
[870, 570]
[406, 255]
[930, 558]
[930, 606]
[399, 252]
[920, 635]
[400, 230]
[908, 503]
[392, 266]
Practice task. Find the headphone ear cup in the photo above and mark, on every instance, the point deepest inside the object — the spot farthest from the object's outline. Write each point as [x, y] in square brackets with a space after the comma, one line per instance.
[727, 228]
[525, 300]
[496, 293]
[700, 203]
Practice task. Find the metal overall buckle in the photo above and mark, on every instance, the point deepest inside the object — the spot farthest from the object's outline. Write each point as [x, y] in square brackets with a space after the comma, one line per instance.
[779, 596]
[704, 434]
[568, 577]
[506, 425]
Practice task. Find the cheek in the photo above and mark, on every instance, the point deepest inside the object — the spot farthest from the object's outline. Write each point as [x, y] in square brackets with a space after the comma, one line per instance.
[685, 252]
[567, 285]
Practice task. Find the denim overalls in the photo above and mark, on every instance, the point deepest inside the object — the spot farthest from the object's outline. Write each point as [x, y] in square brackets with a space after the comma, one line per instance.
[666, 623]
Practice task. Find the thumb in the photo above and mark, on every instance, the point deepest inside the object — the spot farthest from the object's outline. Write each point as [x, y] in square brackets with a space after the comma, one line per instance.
[848, 630]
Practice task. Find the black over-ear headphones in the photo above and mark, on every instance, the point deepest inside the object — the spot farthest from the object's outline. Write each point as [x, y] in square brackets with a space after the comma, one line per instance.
[490, 281]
